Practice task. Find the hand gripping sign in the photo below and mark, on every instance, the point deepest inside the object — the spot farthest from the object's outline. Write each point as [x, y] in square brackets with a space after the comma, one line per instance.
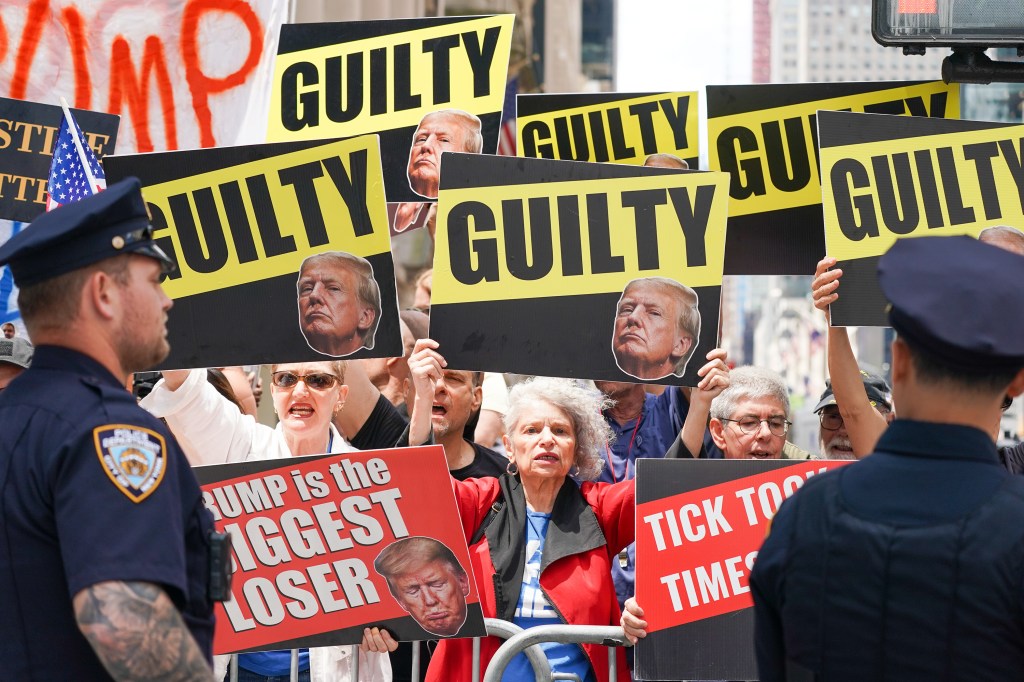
[424, 85]
[571, 269]
[765, 138]
[886, 178]
[699, 525]
[324, 546]
[283, 251]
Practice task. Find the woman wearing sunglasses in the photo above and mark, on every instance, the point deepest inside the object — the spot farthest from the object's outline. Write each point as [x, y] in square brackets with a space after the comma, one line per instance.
[211, 430]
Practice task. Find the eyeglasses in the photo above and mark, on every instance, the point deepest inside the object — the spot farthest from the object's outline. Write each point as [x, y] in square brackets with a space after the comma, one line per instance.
[779, 426]
[833, 421]
[318, 381]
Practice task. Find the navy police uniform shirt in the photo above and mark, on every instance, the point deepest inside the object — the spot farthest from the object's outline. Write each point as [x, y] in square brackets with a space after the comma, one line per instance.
[904, 566]
[92, 489]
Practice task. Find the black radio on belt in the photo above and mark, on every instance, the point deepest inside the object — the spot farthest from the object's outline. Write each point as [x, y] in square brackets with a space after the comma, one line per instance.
[220, 567]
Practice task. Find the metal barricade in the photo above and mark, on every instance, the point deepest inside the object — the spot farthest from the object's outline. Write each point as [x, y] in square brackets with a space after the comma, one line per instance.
[495, 628]
[608, 635]
[517, 641]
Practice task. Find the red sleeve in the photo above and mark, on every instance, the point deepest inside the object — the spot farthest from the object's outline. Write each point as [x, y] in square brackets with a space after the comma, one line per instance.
[615, 506]
[474, 496]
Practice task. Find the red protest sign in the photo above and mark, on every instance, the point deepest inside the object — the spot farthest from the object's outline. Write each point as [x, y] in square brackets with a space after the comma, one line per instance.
[699, 525]
[305, 536]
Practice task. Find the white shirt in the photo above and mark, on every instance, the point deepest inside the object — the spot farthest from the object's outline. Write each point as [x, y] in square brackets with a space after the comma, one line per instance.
[211, 430]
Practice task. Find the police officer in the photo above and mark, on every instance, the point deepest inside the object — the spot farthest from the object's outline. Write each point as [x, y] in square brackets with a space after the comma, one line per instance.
[907, 565]
[103, 535]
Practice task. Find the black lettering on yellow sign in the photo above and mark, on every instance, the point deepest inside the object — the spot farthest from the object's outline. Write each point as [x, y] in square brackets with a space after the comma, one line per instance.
[473, 234]
[573, 133]
[341, 82]
[205, 242]
[898, 196]
[789, 155]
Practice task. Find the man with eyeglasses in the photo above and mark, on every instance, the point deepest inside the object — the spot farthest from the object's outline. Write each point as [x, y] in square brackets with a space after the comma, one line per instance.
[833, 438]
[750, 418]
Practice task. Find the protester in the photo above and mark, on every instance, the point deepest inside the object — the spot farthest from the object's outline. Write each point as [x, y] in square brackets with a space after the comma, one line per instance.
[105, 560]
[666, 161]
[9, 330]
[339, 303]
[1005, 237]
[905, 565]
[554, 430]
[833, 439]
[422, 290]
[656, 328]
[15, 357]
[440, 131]
[457, 396]
[213, 431]
[749, 419]
[391, 375]
[490, 423]
[645, 425]
[863, 423]
[242, 387]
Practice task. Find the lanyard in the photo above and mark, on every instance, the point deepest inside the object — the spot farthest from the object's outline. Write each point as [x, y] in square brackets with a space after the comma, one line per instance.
[330, 440]
[629, 452]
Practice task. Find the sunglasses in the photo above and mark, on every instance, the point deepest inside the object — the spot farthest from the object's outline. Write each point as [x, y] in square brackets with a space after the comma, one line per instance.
[318, 381]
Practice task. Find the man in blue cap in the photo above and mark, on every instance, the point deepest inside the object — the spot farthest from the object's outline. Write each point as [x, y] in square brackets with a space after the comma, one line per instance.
[907, 565]
[834, 440]
[104, 554]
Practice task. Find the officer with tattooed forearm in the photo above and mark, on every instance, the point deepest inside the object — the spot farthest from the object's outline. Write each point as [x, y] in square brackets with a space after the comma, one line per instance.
[104, 542]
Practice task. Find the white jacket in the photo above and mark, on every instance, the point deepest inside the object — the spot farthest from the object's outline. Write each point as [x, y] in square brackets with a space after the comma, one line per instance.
[211, 430]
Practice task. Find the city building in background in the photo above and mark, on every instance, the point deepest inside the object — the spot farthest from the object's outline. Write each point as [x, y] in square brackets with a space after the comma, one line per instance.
[830, 40]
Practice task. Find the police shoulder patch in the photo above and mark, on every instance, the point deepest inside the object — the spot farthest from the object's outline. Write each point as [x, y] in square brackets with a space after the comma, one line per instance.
[133, 457]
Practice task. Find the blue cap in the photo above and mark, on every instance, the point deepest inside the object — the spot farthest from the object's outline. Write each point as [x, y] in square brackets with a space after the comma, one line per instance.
[957, 300]
[84, 232]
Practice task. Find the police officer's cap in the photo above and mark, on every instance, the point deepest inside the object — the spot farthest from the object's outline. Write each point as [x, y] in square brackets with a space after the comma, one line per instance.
[81, 233]
[957, 300]
[877, 388]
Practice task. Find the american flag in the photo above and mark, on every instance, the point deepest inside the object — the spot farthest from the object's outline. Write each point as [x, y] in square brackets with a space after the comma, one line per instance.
[507, 131]
[68, 178]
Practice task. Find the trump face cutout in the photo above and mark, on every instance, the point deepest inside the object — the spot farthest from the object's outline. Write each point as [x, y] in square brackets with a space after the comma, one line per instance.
[339, 303]
[427, 581]
[656, 328]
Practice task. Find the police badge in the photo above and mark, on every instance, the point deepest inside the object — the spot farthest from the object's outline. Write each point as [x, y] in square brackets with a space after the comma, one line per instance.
[133, 457]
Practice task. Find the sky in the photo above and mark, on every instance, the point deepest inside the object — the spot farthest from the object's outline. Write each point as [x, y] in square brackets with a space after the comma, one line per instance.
[665, 45]
[670, 45]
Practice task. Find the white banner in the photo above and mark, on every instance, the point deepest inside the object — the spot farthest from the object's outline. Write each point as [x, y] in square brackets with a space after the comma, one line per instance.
[181, 73]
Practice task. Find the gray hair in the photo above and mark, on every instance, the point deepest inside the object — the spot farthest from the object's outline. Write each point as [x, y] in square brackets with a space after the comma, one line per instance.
[582, 406]
[1005, 237]
[474, 140]
[749, 383]
[688, 321]
[367, 290]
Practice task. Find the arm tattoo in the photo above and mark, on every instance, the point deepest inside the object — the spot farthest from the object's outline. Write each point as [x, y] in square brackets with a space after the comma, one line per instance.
[137, 633]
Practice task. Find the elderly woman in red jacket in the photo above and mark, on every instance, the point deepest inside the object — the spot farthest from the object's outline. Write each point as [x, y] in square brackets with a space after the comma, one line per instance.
[542, 544]
[544, 555]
